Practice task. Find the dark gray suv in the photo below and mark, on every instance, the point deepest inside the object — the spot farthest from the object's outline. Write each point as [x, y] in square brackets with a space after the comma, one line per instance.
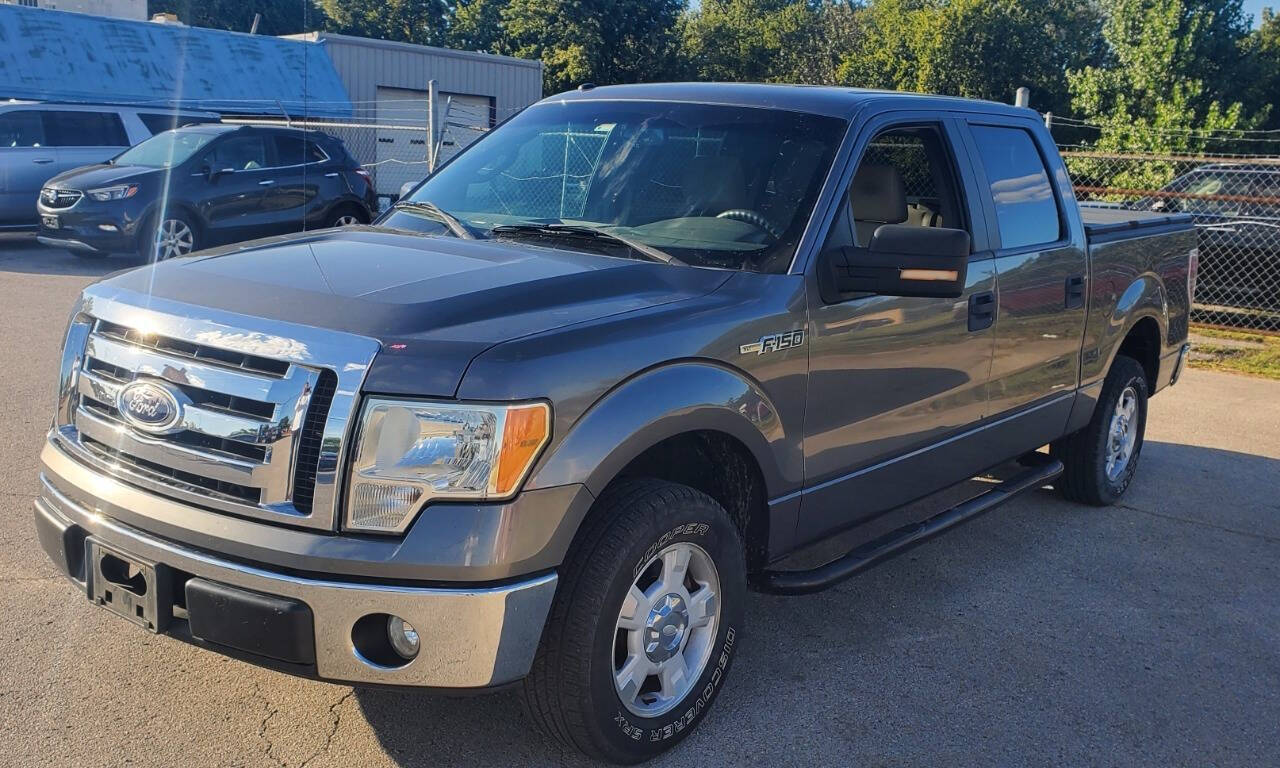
[204, 185]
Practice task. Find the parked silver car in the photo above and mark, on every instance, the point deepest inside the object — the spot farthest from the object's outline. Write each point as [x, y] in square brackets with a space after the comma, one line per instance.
[38, 141]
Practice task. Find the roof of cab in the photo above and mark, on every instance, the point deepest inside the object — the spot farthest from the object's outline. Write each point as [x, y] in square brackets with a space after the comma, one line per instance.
[817, 99]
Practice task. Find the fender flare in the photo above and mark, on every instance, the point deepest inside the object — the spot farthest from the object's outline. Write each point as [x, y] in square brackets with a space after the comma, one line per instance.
[1144, 297]
[679, 397]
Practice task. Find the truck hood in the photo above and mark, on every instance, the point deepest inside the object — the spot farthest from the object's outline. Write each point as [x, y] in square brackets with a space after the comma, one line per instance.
[434, 303]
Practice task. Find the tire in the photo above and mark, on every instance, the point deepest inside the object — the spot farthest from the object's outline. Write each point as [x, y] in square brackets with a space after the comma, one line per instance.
[169, 236]
[347, 215]
[636, 528]
[1087, 477]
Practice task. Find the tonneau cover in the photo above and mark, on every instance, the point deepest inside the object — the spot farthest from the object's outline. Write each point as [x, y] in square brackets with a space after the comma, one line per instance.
[1106, 221]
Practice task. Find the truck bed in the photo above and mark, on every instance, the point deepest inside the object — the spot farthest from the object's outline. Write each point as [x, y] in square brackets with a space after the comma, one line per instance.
[1105, 223]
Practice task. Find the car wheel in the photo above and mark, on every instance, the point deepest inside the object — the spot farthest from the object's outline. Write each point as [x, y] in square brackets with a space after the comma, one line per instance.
[346, 217]
[1101, 459]
[171, 237]
[645, 623]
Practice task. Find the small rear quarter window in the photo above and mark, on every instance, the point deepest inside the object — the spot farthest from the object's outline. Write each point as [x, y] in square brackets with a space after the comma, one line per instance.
[1026, 210]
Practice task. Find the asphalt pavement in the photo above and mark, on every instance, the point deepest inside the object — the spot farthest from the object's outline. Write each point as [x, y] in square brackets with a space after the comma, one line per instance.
[1045, 633]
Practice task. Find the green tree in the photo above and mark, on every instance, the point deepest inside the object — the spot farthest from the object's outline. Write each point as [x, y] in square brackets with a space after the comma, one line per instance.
[1263, 51]
[1165, 85]
[477, 26]
[410, 21]
[983, 49]
[598, 41]
[279, 17]
[759, 40]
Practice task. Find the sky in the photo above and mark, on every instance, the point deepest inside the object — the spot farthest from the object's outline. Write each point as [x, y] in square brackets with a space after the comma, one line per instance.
[1255, 7]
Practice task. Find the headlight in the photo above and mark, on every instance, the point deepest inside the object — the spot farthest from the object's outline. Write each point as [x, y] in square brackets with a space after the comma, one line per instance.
[118, 192]
[410, 452]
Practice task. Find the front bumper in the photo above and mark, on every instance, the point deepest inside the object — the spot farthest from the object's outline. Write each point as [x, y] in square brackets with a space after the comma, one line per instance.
[92, 227]
[470, 637]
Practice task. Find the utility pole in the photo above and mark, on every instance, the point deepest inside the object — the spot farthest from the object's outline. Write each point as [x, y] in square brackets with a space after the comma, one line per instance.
[431, 126]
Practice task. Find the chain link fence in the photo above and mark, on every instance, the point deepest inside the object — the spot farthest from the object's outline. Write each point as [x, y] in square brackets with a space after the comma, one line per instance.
[1235, 203]
[395, 145]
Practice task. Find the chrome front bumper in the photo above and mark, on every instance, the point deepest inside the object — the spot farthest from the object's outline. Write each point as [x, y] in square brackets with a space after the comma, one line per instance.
[472, 637]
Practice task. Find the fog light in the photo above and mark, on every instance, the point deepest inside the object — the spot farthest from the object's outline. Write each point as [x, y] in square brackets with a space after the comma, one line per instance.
[108, 228]
[379, 506]
[403, 637]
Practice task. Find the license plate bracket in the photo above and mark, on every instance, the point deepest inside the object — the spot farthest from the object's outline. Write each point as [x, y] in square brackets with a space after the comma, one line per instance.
[50, 221]
[128, 586]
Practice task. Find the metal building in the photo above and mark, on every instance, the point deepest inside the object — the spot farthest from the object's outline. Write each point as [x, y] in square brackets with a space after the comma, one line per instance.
[387, 83]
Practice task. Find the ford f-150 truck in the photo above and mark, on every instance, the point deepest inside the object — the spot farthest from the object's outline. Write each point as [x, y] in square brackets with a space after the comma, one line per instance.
[546, 421]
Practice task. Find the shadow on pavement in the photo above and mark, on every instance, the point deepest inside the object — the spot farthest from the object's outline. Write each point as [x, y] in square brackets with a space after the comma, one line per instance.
[21, 253]
[925, 654]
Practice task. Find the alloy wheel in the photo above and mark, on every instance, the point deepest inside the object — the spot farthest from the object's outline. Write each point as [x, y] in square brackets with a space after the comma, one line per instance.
[1122, 435]
[666, 629]
[173, 238]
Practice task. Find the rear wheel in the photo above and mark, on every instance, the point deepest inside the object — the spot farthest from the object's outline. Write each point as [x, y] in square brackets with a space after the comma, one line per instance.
[1101, 459]
[644, 624]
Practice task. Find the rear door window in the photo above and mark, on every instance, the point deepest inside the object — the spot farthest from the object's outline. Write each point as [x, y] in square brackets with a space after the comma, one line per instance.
[22, 128]
[84, 129]
[294, 150]
[1026, 210]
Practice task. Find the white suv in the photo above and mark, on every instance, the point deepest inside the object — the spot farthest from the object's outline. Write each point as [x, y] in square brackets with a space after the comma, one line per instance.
[38, 141]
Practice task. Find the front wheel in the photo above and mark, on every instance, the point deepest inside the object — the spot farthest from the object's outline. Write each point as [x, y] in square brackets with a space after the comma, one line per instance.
[170, 236]
[1100, 460]
[645, 623]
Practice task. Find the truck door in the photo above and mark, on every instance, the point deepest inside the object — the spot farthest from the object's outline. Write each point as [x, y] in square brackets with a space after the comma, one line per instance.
[1041, 269]
[893, 380]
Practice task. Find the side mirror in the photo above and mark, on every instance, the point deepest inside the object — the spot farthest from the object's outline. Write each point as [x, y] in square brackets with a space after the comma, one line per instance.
[903, 260]
[406, 188]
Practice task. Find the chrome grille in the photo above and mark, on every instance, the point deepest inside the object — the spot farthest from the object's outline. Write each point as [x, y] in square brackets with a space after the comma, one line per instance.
[261, 421]
[59, 198]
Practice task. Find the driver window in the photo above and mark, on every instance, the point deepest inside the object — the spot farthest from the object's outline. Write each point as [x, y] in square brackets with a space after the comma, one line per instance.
[905, 177]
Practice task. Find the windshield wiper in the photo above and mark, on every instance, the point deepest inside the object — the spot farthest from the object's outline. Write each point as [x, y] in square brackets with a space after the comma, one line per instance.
[583, 231]
[453, 223]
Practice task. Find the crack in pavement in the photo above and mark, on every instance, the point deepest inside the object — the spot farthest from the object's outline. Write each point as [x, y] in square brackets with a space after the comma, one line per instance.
[1203, 524]
[333, 730]
[271, 711]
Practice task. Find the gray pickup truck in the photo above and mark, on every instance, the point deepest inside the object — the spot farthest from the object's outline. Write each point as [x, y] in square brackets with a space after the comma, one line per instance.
[546, 421]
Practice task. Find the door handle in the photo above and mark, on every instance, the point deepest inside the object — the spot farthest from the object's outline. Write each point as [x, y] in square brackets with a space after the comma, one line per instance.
[42, 160]
[982, 310]
[332, 175]
[266, 182]
[1075, 292]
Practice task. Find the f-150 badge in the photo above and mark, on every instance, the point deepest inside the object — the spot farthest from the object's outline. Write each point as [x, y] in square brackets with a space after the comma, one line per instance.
[774, 342]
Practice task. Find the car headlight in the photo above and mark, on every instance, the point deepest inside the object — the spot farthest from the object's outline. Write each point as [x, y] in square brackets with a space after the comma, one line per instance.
[409, 453]
[118, 192]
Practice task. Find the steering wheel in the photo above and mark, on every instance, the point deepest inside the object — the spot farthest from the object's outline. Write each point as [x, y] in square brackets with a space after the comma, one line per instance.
[753, 218]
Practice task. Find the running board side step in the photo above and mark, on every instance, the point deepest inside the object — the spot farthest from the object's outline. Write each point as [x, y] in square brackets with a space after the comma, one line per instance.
[896, 542]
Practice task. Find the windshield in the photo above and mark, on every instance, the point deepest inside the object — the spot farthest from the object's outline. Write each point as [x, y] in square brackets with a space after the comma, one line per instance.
[165, 149]
[716, 186]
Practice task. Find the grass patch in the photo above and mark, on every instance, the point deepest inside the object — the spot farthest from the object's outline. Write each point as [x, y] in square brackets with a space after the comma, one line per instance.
[1223, 333]
[1260, 357]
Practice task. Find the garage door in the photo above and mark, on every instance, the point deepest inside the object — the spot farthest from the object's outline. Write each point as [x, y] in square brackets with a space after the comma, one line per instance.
[402, 152]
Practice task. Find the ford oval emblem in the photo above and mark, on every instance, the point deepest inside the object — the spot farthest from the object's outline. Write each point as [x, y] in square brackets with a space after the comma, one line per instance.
[149, 406]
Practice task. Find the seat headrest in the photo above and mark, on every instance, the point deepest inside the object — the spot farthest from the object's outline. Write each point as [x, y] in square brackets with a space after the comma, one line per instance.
[878, 195]
[713, 184]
